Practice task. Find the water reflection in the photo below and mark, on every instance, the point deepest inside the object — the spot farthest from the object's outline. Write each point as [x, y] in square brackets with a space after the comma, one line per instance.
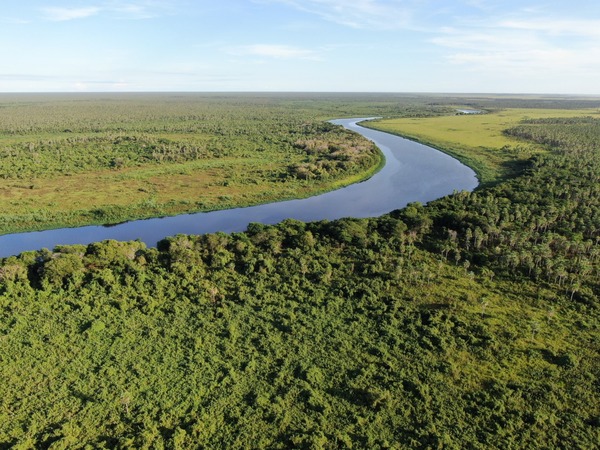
[413, 172]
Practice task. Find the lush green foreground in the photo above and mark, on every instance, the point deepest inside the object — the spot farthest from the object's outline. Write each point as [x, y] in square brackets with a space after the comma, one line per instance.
[473, 322]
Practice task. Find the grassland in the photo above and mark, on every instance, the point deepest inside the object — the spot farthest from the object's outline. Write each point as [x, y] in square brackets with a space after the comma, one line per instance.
[74, 160]
[479, 140]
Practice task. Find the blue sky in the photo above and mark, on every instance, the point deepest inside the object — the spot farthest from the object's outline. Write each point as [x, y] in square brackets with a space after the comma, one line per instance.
[495, 46]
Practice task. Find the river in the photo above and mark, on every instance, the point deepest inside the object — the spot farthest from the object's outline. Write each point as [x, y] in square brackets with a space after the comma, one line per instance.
[413, 172]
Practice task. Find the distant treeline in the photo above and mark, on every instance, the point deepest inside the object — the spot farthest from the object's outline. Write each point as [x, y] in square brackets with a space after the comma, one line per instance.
[573, 135]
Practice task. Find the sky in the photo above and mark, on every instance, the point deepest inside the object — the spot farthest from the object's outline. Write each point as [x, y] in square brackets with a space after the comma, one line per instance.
[455, 46]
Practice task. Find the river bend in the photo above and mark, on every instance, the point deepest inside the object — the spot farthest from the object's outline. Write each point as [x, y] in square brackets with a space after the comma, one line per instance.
[413, 172]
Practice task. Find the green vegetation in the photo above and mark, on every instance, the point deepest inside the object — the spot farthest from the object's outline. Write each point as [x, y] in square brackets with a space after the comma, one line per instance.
[331, 335]
[73, 160]
[472, 322]
[479, 139]
[78, 159]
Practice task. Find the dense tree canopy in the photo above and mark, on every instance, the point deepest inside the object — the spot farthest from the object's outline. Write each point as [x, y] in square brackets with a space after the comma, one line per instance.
[472, 322]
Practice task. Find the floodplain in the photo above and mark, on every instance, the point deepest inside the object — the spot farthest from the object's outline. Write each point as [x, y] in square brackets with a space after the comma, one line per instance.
[470, 322]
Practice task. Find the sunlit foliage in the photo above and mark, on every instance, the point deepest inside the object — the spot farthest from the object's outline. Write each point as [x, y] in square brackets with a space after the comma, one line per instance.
[471, 322]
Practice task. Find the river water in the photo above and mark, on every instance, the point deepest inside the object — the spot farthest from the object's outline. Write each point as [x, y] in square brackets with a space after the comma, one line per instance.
[413, 172]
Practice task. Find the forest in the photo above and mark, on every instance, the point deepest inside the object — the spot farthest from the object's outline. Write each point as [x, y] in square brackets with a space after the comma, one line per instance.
[469, 322]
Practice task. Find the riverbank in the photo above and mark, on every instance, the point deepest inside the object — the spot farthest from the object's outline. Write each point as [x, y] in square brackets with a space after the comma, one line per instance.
[412, 173]
[219, 199]
[85, 169]
[478, 140]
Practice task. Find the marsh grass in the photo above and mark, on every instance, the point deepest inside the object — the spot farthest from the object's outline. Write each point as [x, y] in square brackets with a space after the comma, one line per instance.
[71, 160]
[478, 140]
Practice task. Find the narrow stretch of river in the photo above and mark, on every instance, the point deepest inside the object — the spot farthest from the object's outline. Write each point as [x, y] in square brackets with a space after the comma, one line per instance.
[413, 172]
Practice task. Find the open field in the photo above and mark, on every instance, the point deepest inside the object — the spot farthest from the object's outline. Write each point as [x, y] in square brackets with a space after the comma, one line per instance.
[479, 139]
[75, 160]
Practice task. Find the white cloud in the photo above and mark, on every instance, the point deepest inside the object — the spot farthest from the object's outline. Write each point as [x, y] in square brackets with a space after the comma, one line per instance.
[275, 51]
[485, 39]
[536, 47]
[479, 4]
[582, 28]
[62, 14]
[14, 21]
[137, 11]
[140, 9]
[368, 14]
[532, 62]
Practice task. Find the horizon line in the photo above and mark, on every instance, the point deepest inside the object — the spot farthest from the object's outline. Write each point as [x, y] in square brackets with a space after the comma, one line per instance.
[460, 93]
